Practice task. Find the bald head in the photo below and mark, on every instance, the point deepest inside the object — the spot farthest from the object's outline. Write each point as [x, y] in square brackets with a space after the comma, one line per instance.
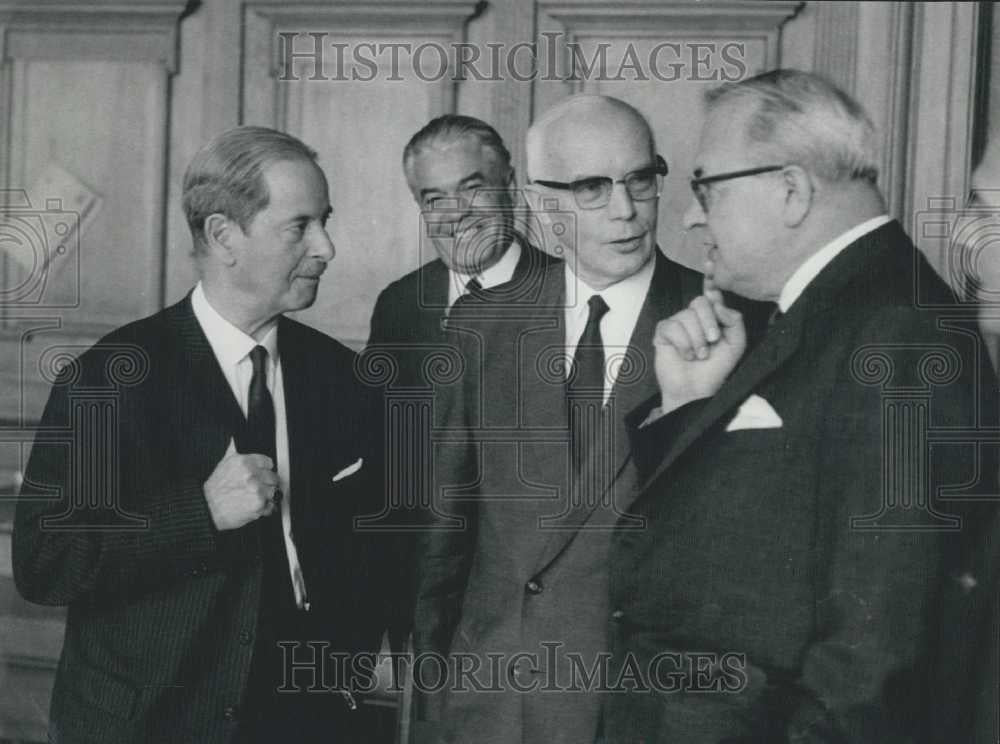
[555, 140]
[590, 144]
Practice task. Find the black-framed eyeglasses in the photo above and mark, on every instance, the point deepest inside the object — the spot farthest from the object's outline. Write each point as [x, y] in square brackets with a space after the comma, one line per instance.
[701, 193]
[595, 192]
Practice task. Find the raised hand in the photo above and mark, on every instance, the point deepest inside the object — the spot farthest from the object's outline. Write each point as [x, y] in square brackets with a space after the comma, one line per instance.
[242, 488]
[697, 348]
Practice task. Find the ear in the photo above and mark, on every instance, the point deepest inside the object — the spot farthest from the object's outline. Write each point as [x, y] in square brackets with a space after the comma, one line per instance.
[530, 194]
[549, 222]
[220, 233]
[799, 194]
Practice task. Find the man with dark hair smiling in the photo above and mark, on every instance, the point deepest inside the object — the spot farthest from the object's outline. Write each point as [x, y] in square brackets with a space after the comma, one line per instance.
[218, 521]
[459, 172]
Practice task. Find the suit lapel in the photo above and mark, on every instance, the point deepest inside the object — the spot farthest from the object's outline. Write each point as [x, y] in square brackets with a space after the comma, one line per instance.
[783, 338]
[664, 298]
[218, 410]
[778, 345]
[432, 299]
[300, 410]
[541, 396]
[636, 382]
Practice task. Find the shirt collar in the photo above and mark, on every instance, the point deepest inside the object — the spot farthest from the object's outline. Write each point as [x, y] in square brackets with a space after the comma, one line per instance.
[629, 293]
[498, 273]
[812, 266]
[229, 343]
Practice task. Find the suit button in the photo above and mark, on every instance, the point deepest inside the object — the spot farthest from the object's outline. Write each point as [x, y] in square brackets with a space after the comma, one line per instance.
[533, 587]
[229, 713]
[245, 637]
[617, 615]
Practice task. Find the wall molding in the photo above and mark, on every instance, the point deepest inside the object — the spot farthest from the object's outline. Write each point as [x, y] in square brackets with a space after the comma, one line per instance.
[137, 31]
[582, 19]
[940, 125]
[262, 103]
[835, 52]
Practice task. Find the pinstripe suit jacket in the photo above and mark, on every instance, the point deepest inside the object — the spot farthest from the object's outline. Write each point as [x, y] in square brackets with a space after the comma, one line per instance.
[113, 522]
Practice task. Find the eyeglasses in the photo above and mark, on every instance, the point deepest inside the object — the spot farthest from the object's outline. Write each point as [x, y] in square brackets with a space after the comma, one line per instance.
[595, 192]
[701, 193]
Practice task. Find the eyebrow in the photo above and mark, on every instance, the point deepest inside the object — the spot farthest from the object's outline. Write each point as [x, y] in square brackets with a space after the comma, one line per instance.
[308, 217]
[647, 166]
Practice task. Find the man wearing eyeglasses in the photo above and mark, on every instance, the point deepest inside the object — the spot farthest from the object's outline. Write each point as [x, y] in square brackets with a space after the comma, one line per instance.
[516, 596]
[814, 565]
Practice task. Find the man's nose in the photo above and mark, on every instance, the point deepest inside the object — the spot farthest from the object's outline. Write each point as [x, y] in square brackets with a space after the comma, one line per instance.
[694, 215]
[620, 204]
[322, 246]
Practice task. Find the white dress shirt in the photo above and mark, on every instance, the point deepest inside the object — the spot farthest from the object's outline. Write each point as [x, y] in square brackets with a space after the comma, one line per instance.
[498, 273]
[232, 349]
[624, 301]
[810, 268]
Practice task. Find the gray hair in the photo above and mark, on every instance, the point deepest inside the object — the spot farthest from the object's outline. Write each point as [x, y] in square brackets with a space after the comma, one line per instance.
[451, 127]
[802, 118]
[227, 176]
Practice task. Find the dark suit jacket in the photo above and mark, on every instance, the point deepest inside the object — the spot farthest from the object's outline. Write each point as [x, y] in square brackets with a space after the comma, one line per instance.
[113, 521]
[528, 564]
[821, 564]
[409, 351]
[406, 324]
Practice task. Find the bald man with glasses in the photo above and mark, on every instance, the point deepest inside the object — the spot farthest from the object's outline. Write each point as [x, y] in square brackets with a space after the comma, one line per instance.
[519, 589]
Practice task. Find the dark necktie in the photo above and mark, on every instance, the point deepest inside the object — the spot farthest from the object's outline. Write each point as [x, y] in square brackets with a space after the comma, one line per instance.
[587, 375]
[585, 388]
[277, 599]
[473, 287]
[261, 440]
[260, 409]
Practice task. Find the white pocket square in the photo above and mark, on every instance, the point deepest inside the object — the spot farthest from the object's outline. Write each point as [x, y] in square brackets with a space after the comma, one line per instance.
[755, 413]
[349, 470]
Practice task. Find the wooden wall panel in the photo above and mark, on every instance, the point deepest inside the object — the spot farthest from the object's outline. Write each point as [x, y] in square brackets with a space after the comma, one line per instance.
[119, 156]
[359, 128]
[661, 57]
[375, 225]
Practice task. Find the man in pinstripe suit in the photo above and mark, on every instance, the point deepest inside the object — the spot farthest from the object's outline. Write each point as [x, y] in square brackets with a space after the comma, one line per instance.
[200, 525]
